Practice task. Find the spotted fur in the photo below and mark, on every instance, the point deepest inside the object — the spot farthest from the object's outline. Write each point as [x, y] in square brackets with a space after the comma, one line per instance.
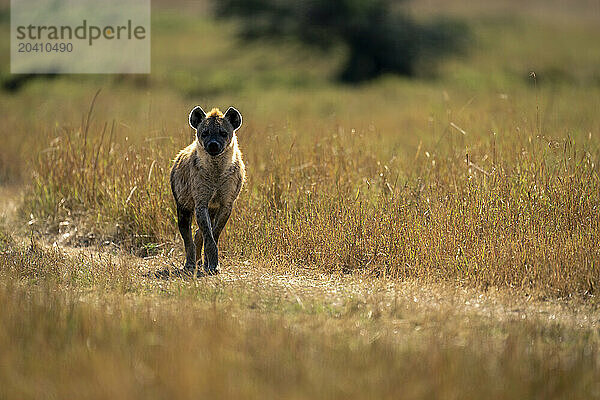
[206, 184]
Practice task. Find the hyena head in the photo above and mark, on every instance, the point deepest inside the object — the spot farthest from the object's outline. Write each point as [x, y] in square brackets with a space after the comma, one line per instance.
[214, 131]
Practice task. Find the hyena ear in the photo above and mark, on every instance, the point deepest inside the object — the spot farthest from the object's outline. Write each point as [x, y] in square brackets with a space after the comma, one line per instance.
[234, 117]
[196, 116]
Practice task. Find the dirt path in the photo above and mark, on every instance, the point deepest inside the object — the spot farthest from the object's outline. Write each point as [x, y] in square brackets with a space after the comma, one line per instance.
[9, 202]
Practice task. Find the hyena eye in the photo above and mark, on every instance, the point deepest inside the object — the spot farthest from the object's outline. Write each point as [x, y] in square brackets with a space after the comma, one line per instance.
[223, 133]
[204, 133]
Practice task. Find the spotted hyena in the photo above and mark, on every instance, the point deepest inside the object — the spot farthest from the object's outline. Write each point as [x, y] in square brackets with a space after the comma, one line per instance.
[206, 179]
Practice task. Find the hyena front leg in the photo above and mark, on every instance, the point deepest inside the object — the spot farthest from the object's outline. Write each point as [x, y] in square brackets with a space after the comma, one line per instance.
[211, 252]
[227, 195]
[198, 242]
[184, 222]
[218, 218]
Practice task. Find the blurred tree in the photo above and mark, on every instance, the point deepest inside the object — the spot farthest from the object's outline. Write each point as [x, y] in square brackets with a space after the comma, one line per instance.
[380, 37]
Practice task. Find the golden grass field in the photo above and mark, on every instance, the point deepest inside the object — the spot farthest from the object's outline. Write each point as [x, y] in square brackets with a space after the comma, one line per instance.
[428, 237]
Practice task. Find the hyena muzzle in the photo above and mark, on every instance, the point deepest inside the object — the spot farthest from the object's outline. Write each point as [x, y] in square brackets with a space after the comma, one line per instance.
[206, 179]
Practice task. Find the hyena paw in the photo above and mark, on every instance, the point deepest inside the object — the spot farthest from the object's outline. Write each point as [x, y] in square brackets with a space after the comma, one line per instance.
[189, 267]
[212, 270]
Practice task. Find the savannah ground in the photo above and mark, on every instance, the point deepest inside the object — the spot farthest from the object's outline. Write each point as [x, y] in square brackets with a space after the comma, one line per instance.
[431, 237]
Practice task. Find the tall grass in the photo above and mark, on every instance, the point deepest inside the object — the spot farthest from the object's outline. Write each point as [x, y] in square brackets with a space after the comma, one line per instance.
[510, 211]
[478, 177]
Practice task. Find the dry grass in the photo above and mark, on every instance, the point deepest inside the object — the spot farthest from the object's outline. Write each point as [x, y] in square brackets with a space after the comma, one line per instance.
[504, 210]
[104, 330]
[484, 176]
[432, 238]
